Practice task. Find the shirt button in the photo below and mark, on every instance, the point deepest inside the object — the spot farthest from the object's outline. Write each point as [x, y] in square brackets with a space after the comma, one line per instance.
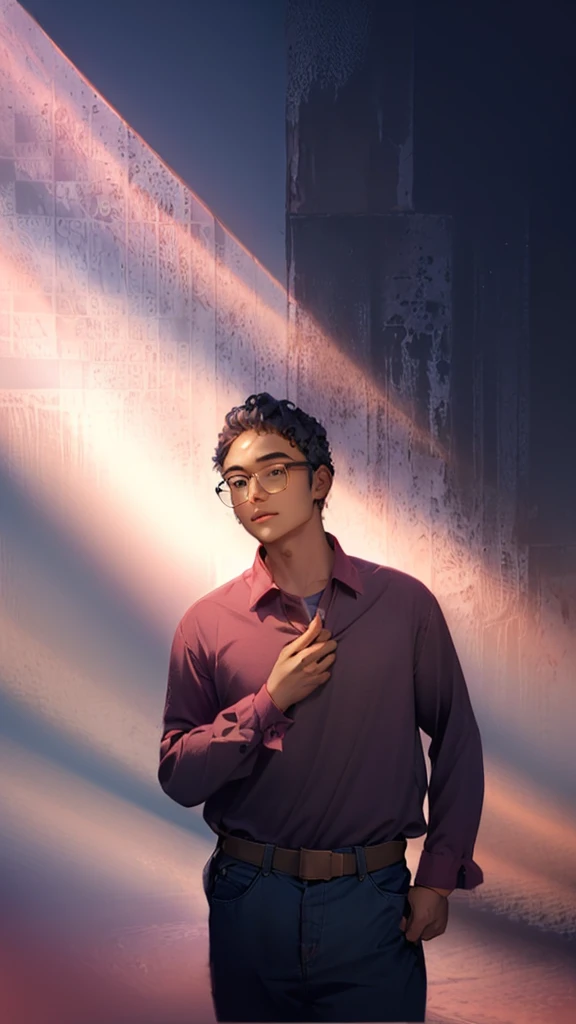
[243, 748]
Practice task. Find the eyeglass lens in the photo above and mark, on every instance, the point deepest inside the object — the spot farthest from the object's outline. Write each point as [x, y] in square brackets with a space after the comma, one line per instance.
[235, 489]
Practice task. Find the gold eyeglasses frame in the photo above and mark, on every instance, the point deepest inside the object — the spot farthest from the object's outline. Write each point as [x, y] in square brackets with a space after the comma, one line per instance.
[285, 465]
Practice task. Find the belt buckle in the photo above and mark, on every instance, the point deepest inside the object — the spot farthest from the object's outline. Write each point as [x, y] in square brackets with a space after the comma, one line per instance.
[329, 864]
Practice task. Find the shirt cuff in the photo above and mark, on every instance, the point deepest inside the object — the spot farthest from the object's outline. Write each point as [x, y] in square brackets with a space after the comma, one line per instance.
[445, 871]
[273, 722]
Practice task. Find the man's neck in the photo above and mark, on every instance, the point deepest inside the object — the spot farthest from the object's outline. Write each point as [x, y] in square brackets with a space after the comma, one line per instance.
[301, 571]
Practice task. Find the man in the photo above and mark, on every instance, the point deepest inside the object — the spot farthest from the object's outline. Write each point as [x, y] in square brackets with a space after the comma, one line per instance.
[303, 743]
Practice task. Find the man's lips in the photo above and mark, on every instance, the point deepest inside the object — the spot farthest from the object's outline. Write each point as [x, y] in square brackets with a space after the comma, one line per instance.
[261, 516]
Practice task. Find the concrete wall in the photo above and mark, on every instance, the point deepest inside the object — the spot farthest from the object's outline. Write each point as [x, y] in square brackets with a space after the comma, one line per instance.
[117, 282]
[430, 308]
[130, 322]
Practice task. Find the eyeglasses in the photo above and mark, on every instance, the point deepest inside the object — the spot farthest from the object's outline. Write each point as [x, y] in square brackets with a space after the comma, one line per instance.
[273, 479]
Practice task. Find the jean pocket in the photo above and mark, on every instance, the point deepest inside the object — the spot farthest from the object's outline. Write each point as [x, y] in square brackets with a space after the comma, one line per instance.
[392, 882]
[232, 879]
[208, 874]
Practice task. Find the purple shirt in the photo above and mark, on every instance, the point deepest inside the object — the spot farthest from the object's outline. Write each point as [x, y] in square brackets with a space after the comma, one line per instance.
[344, 766]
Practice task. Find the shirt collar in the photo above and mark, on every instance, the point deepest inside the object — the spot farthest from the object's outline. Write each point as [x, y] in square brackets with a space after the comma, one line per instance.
[260, 579]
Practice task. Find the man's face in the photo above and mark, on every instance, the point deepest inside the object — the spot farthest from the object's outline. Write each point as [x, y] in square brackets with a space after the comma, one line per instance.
[293, 506]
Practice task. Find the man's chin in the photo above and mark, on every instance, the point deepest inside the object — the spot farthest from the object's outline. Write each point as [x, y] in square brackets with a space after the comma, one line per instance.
[271, 529]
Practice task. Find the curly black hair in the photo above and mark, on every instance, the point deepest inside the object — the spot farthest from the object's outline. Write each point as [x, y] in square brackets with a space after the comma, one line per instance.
[265, 414]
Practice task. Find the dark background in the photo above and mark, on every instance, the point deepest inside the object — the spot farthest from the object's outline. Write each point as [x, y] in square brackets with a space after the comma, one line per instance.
[495, 105]
[203, 82]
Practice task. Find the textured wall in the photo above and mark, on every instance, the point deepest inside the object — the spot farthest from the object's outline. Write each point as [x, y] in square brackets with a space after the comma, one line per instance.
[363, 154]
[431, 310]
[130, 322]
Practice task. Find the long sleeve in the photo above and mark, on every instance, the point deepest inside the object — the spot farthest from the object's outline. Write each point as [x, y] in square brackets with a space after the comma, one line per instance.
[456, 790]
[202, 746]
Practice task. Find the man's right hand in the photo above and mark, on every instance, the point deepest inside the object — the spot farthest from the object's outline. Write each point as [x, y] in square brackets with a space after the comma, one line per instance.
[302, 665]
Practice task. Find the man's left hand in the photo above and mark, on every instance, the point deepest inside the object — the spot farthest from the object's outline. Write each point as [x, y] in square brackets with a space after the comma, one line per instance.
[429, 915]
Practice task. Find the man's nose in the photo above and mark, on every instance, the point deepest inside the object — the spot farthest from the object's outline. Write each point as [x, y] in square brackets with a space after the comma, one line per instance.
[258, 489]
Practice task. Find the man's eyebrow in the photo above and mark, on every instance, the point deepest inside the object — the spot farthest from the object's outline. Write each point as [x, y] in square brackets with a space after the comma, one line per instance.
[261, 458]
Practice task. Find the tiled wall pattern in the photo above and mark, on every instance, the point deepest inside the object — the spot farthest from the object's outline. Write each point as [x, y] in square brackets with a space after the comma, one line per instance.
[114, 276]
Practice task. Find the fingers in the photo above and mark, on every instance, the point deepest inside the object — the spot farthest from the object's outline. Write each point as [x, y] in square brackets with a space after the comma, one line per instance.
[423, 935]
[432, 933]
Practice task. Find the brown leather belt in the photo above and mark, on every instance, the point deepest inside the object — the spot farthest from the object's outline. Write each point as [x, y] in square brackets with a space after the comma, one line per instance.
[314, 865]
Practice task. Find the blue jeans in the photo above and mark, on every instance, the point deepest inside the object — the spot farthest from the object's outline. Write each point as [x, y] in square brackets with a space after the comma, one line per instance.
[283, 949]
